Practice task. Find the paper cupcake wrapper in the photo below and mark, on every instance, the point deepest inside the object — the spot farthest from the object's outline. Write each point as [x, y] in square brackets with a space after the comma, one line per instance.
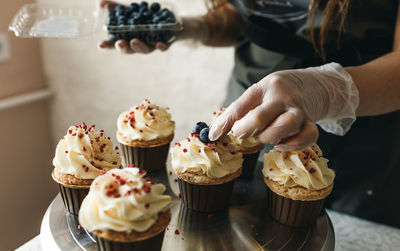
[249, 164]
[150, 159]
[294, 213]
[153, 243]
[73, 197]
[206, 198]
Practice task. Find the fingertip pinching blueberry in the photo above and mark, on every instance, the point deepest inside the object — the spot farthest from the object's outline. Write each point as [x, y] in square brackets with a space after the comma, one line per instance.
[204, 135]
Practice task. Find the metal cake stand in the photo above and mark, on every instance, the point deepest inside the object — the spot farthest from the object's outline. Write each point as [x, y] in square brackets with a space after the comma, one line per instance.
[245, 226]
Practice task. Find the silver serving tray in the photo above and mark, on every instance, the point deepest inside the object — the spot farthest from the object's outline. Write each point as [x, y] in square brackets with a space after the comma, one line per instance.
[245, 226]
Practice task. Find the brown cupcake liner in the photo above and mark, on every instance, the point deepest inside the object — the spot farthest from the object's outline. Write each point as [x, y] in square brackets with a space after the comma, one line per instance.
[150, 159]
[206, 198]
[153, 243]
[249, 164]
[73, 197]
[294, 213]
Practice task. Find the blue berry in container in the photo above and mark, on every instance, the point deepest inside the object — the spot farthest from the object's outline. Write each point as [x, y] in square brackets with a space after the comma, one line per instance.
[204, 135]
[199, 126]
[112, 13]
[122, 21]
[155, 7]
[156, 19]
[134, 7]
[170, 20]
[143, 5]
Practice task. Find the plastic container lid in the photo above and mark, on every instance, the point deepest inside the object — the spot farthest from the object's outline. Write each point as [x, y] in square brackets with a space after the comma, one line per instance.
[56, 21]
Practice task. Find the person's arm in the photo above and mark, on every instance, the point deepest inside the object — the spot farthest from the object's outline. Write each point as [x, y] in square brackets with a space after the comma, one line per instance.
[221, 26]
[378, 81]
[283, 107]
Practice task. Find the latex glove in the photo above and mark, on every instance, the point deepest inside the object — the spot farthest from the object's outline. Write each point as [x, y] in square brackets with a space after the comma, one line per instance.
[282, 108]
[194, 29]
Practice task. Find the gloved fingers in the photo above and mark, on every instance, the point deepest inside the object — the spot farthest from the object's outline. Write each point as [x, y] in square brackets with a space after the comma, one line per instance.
[140, 47]
[162, 46]
[123, 47]
[256, 120]
[110, 5]
[250, 99]
[307, 136]
[284, 126]
[106, 44]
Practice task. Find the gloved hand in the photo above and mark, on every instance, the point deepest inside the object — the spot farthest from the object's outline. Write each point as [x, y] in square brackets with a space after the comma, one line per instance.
[194, 29]
[282, 108]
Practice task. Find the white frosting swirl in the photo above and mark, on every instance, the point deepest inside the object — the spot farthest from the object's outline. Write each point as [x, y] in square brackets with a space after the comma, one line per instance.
[84, 153]
[146, 122]
[239, 142]
[299, 168]
[214, 160]
[122, 200]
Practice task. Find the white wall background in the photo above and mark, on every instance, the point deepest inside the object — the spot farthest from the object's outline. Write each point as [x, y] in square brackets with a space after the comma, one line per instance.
[94, 85]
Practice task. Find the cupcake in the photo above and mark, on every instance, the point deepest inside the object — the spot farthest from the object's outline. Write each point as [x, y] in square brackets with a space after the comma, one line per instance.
[145, 133]
[125, 211]
[80, 157]
[206, 171]
[249, 147]
[298, 183]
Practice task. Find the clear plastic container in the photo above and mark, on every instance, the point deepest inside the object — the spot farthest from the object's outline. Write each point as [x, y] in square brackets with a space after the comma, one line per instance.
[63, 21]
[55, 21]
[147, 33]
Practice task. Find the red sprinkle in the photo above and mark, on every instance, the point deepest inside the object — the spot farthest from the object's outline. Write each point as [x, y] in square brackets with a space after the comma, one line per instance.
[70, 131]
[74, 134]
[179, 195]
[114, 162]
[214, 113]
[175, 180]
[312, 170]
[127, 193]
[109, 138]
[270, 169]
[102, 172]
[101, 134]
[125, 121]
[79, 227]
[199, 150]
[225, 144]
[147, 205]
[142, 171]
[140, 130]
[146, 189]
[131, 166]
[84, 149]
[188, 139]
[177, 232]
[184, 150]
[66, 151]
[233, 152]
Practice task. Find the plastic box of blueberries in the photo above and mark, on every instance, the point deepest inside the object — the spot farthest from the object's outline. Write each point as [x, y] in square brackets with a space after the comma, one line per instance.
[147, 21]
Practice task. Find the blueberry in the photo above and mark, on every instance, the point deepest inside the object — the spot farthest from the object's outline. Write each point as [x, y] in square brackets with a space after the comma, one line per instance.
[131, 21]
[155, 7]
[120, 8]
[199, 126]
[166, 14]
[170, 20]
[156, 20]
[122, 21]
[134, 7]
[147, 15]
[143, 5]
[112, 13]
[204, 135]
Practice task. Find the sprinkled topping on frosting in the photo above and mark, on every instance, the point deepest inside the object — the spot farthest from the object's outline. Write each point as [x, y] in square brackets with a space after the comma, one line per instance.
[213, 159]
[123, 200]
[299, 168]
[83, 152]
[146, 121]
